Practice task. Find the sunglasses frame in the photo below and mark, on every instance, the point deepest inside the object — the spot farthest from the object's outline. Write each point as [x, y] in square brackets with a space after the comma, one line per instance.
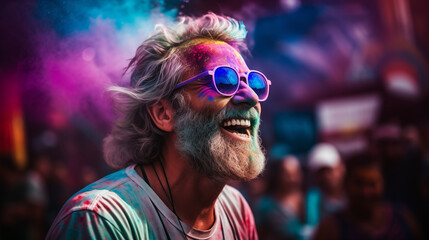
[244, 75]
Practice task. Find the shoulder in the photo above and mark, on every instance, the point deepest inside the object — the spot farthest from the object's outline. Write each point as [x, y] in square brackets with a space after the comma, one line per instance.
[237, 211]
[233, 202]
[233, 199]
[107, 203]
[231, 191]
[84, 225]
[104, 192]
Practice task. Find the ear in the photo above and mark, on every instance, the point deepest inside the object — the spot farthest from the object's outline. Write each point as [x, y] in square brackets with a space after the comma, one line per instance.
[162, 115]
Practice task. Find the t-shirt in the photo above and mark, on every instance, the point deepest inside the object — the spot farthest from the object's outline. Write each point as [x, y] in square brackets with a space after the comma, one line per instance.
[123, 206]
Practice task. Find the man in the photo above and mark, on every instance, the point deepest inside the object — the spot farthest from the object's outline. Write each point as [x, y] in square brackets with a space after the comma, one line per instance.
[189, 125]
[325, 164]
[279, 213]
[367, 215]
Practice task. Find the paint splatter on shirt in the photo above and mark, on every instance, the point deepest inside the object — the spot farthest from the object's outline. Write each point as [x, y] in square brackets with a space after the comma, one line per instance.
[123, 206]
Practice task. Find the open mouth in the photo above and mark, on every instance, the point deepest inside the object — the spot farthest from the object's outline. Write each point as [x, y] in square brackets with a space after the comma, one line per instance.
[238, 128]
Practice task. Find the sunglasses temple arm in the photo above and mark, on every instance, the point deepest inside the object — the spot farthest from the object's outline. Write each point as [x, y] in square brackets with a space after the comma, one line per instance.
[201, 75]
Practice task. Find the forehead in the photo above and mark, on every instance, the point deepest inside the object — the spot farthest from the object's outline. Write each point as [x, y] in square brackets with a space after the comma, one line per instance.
[207, 54]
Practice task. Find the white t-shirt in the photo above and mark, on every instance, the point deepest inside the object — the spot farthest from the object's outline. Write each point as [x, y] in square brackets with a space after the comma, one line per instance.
[123, 206]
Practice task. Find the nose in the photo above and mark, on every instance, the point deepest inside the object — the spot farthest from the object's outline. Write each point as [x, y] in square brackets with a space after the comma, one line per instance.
[245, 96]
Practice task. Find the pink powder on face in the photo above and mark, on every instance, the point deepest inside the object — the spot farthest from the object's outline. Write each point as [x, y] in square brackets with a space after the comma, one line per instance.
[209, 54]
[208, 93]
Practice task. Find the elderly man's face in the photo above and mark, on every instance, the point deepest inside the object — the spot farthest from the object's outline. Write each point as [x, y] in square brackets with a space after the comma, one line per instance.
[216, 149]
[207, 56]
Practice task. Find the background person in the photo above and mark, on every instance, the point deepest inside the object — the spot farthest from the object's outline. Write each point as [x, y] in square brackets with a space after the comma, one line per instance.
[367, 215]
[279, 214]
[326, 167]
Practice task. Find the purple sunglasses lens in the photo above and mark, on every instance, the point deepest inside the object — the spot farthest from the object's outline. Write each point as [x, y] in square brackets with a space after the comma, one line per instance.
[259, 84]
[226, 80]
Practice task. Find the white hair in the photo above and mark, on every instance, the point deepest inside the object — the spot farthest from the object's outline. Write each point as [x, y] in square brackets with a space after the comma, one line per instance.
[156, 69]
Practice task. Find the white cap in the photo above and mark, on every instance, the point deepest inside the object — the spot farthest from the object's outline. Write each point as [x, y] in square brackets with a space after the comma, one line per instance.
[323, 155]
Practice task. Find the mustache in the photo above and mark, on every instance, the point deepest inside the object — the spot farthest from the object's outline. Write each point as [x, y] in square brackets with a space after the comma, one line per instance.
[227, 112]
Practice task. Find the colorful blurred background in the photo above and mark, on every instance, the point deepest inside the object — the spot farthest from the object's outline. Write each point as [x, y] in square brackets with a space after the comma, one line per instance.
[350, 73]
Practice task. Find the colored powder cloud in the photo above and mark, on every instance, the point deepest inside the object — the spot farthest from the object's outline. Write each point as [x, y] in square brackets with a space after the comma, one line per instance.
[83, 47]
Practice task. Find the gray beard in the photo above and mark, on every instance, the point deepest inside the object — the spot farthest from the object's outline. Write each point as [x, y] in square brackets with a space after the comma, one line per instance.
[214, 154]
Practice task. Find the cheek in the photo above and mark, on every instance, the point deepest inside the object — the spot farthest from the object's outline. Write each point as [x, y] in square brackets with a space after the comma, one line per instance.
[206, 99]
[207, 93]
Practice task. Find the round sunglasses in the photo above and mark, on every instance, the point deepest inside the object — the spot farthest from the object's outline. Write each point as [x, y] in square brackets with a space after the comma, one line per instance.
[226, 81]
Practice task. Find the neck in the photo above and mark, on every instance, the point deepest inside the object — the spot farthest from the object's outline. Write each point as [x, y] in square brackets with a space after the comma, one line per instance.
[192, 194]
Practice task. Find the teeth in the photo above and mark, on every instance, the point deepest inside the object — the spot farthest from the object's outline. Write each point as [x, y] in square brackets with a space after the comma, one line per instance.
[237, 122]
[241, 135]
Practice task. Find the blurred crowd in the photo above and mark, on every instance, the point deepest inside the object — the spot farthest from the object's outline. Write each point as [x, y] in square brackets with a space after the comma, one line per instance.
[32, 197]
[379, 193]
